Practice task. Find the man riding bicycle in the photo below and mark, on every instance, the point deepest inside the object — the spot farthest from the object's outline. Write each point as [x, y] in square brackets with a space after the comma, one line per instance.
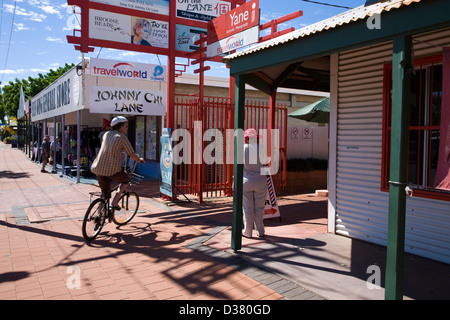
[107, 164]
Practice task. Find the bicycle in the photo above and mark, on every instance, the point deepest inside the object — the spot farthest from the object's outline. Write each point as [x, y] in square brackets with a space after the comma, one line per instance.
[100, 209]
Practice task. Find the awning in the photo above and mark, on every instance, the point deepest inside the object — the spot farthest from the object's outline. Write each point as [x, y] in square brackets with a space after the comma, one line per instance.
[316, 112]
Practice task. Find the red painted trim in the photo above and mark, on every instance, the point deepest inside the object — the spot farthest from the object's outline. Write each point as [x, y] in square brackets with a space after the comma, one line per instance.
[385, 150]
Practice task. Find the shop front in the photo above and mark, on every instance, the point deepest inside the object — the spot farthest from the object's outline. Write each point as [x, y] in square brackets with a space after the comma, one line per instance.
[78, 107]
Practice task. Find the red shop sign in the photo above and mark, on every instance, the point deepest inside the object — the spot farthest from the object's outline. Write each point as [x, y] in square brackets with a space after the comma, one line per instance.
[237, 20]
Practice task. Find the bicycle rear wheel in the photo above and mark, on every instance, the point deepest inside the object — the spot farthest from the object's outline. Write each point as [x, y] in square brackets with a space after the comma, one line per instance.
[129, 203]
[94, 219]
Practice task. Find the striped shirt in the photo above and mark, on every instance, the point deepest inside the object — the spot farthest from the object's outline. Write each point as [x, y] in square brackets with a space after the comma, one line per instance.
[109, 158]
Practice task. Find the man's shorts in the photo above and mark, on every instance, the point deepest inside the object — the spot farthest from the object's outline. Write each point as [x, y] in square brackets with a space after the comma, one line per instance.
[105, 182]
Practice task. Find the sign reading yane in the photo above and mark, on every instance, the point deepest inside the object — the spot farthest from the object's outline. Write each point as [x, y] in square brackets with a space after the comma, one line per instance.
[237, 20]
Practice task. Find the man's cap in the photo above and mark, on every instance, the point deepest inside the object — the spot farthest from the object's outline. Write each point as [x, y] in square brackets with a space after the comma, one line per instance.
[117, 120]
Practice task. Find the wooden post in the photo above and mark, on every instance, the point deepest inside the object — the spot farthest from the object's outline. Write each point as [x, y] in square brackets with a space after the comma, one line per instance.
[239, 114]
[401, 76]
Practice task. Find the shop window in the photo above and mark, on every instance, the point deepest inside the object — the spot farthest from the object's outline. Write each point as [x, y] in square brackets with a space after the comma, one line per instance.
[424, 127]
[147, 136]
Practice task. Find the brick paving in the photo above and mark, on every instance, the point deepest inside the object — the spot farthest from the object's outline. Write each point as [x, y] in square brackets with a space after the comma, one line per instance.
[160, 255]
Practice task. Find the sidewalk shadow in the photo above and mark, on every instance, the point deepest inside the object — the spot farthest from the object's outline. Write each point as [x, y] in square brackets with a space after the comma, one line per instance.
[163, 246]
[8, 174]
[13, 276]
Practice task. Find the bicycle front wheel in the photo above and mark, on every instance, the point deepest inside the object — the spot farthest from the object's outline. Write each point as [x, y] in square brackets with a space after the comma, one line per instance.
[94, 219]
[129, 203]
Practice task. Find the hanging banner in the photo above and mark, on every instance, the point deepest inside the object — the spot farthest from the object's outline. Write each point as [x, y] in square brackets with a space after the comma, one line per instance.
[126, 102]
[442, 180]
[166, 163]
[271, 205]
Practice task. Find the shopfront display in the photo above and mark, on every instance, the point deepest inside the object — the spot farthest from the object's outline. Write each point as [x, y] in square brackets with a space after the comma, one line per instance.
[147, 133]
[107, 91]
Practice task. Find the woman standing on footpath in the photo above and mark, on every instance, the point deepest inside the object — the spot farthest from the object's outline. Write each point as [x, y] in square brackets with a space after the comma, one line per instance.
[255, 186]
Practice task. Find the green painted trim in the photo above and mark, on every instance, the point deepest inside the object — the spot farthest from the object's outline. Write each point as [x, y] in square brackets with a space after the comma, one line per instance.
[416, 18]
[401, 79]
[239, 114]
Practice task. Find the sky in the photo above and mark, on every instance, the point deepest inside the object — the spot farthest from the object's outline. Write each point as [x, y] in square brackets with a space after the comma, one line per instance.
[33, 40]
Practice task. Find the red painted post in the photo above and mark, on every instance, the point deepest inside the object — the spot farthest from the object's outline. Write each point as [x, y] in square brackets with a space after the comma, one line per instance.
[171, 66]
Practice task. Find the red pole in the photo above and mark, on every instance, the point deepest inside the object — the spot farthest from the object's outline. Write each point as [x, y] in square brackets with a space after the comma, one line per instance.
[171, 66]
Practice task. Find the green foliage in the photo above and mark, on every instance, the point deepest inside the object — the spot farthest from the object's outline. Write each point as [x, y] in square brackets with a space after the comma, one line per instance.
[10, 93]
[9, 140]
[306, 164]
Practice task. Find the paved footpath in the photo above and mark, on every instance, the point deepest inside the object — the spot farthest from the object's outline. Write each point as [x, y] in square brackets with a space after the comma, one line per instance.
[160, 255]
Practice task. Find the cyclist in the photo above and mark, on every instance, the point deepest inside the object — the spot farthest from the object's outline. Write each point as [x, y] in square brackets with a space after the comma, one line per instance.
[107, 164]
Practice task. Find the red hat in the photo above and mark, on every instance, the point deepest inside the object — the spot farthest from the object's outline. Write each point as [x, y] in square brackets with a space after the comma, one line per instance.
[250, 133]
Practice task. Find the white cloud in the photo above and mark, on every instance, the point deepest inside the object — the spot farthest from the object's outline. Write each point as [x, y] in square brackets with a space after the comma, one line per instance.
[20, 27]
[11, 71]
[29, 15]
[54, 39]
[39, 70]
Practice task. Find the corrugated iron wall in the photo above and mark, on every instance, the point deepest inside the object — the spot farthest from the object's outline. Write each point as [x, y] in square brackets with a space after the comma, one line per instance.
[361, 207]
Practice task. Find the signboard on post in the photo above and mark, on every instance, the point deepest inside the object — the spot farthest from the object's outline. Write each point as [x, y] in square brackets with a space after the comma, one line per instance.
[234, 42]
[237, 20]
[152, 6]
[166, 163]
[186, 36]
[127, 70]
[235, 29]
[116, 27]
[127, 101]
[202, 10]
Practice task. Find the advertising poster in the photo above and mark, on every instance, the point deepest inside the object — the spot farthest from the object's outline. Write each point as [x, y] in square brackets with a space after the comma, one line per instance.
[202, 10]
[271, 209]
[234, 42]
[127, 70]
[237, 20]
[165, 163]
[153, 6]
[186, 37]
[127, 101]
[127, 29]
